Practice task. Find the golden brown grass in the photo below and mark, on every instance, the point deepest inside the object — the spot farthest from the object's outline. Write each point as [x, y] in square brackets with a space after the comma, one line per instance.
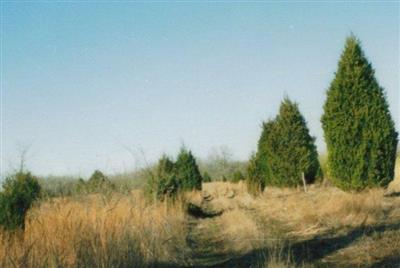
[316, 220]
[394, 186]
[318, 209]
[321, 209]
[280, 228]
[94, 231]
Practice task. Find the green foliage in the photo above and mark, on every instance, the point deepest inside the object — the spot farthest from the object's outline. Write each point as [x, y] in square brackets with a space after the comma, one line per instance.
[187, 171]
[170, 178]
[164, 183]
[238, 176]
[206, 177]
[255, 182]
[98, 182]
[19, 192]
[97, 178]
[80, 186]
[358, 129]
[323, 162]
[286, 150]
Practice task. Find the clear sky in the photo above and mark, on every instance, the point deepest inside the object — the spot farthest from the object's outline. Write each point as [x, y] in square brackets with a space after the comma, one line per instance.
[82, 80]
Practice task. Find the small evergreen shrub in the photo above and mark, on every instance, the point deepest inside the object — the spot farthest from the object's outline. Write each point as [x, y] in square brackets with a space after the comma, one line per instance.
[97, 178]
[19, 192]
[206, 177]
[98, 182]
[286, 150]
[238, 176]
[172, 177]
[187, 171]
[358, 128]
[166, 181]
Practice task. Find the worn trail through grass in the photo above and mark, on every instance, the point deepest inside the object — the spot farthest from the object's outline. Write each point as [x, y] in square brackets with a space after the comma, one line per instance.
[211, 242]
[226, 228]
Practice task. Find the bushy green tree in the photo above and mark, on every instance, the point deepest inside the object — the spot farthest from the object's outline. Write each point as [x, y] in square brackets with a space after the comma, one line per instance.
[187, 171]
[99, 182]
[286, 149]
[255, 182]
[238, 176]
[19, 192]
[206, 177]
[166, 181]
[171, 177]
[358, 128]
[260, 158]
[98, 177]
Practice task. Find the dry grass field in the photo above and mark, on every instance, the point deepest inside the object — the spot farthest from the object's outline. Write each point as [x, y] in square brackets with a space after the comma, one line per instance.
[222, 226]
[97, 231]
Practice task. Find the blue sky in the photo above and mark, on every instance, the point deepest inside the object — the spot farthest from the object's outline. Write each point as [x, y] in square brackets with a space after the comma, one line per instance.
[81, 81]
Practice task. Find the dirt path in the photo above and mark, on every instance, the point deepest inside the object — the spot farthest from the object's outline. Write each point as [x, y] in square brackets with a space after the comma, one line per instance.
[208, 241]
[204, 237]
[221, 225]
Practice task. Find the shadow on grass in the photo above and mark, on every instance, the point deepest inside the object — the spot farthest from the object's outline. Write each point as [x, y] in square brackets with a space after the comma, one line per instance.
[393, 194]
[312, 251]
[317, 248]
[389, 262]
[202, 213]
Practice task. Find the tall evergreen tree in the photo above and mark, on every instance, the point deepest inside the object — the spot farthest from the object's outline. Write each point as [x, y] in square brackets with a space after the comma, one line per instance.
[286, 149]
[260, 158]
[187, 171]
[358, 129]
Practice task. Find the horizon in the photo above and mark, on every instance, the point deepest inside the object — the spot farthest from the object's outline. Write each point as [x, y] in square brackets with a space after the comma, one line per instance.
[83, 84]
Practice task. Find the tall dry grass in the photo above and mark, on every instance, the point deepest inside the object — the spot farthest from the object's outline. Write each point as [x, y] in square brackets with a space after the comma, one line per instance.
[322, 209]
[279, 218]
[318, 209]
[97, 231]
[123, 230]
